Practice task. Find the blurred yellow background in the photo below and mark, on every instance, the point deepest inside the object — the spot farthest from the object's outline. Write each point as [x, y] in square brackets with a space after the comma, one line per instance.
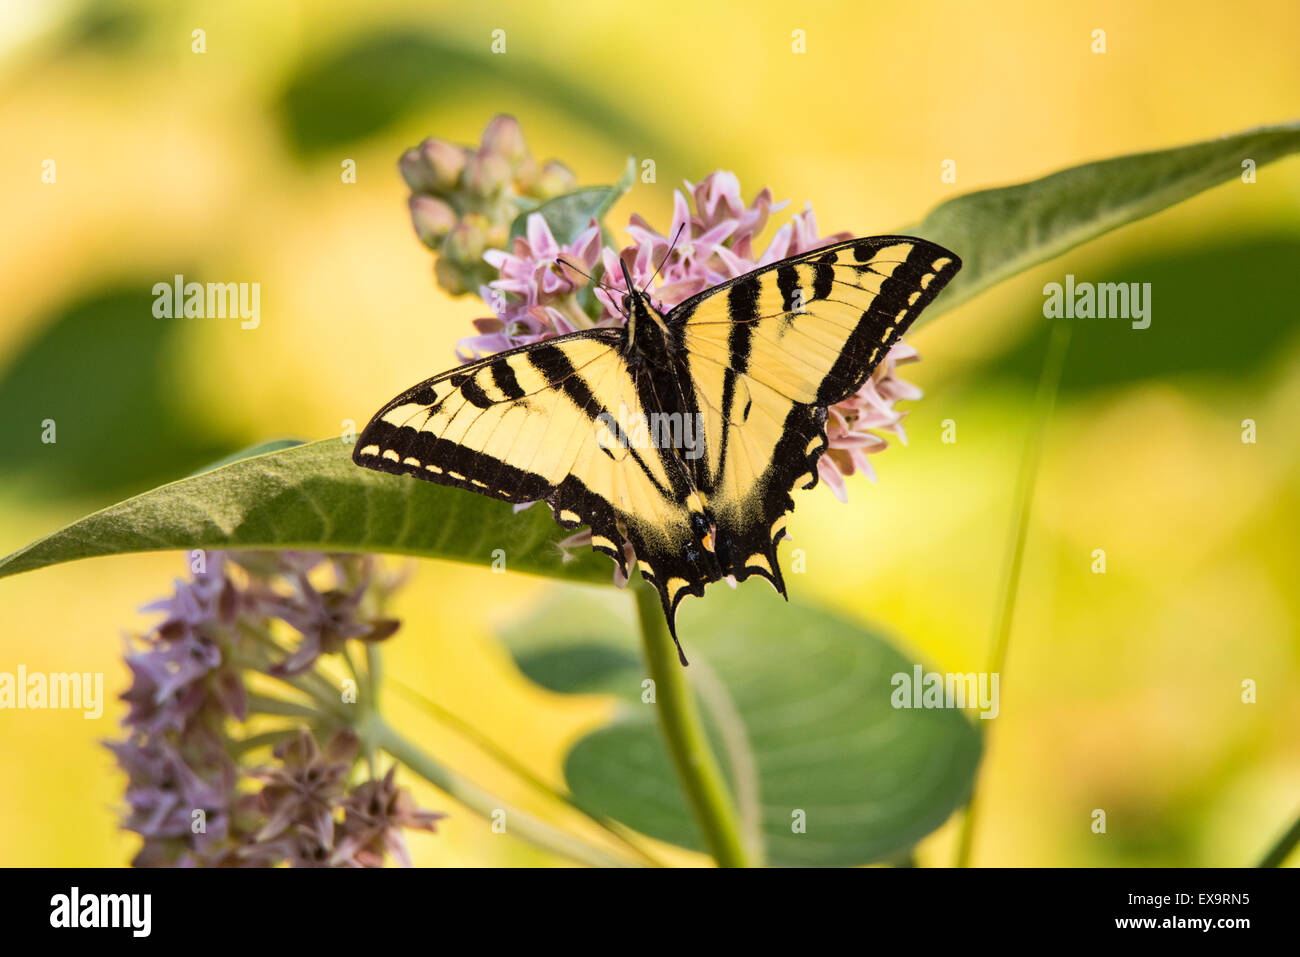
[1122, 691]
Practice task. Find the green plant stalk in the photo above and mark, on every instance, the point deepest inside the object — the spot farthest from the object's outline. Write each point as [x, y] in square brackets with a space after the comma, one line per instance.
[325, 705]
[374, 673]
[311, 683]
[518, 823]
[265, 739]
[1049, 384]
[376, 734]
[1280, 851]
[365, 703]
[698, 769]
[503, 757]
[720, 709]
[266, 704]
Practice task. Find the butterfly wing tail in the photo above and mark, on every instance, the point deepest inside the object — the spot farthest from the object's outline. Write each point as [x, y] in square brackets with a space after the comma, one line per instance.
[675, 572]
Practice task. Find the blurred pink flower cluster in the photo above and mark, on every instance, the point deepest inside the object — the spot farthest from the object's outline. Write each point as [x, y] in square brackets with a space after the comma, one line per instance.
[186, 753]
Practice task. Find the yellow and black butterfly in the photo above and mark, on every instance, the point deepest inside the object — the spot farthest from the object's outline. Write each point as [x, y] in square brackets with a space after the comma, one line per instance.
[682, 433]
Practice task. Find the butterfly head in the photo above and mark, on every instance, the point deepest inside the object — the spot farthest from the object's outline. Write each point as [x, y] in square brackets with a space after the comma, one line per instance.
[640, 313]
[633, 295]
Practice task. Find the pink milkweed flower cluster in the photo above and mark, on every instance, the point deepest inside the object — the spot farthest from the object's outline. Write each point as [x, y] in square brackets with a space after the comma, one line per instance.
[542, 289]
[536, 294]
[185, 752]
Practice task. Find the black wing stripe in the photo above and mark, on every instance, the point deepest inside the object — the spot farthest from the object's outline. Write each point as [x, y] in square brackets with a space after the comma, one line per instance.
[503, 377]
[787, 281]
[560, 374]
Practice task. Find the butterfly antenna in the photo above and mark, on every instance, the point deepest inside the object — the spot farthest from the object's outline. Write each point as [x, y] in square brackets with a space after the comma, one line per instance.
[671, 247]
[613, 293]
[565, 262]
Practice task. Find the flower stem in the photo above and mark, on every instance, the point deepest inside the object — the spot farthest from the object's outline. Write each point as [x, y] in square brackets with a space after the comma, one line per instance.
[374, 672]
[267, 704]
[1280, 851]
[1049, 383]
[482, 802]
[503, 757]
[266, 738]
[698, 769]
[311, 683]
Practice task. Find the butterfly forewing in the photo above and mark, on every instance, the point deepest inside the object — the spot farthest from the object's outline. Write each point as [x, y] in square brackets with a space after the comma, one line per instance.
[546, 422]
[814, 327]
[769, 351]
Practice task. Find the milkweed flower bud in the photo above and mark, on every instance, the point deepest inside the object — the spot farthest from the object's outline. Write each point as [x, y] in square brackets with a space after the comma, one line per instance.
[527, 173]
[486, 175]
[432, 167]
[487, 186]
[432, 218]
[468, 241]
[554, 179]
[505, 138]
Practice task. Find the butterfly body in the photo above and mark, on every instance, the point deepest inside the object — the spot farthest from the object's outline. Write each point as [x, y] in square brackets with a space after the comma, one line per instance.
[734, 384]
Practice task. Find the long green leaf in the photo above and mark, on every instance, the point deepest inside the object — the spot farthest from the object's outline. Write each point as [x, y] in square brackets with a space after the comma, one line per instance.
[313, 496]
[1001, 232]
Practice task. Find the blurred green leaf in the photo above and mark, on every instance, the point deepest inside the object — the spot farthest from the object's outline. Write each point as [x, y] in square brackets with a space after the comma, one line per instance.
[1001, 232]
[579, 646]
[812, 693]
[367, 85]
[101, 368]
[105, 26]
[569, 215]
[313, 496]
[1225, 311]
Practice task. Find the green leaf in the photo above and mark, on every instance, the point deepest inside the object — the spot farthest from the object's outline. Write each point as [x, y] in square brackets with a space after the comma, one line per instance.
[313, 496]
[811, 692]
[117, 431]
[272, 445]
[1187, 343]
[569, 215]
[582, 650]
[1001, 232]
[366, 85]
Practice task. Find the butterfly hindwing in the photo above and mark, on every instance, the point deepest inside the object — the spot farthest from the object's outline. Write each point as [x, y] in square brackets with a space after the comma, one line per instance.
[769, 351]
